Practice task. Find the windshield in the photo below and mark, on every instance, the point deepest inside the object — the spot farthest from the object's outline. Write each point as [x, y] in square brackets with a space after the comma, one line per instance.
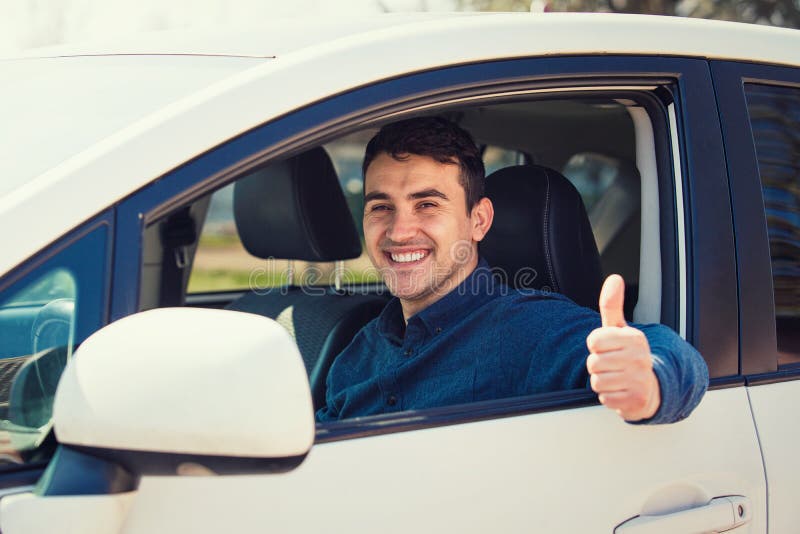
[54, 108]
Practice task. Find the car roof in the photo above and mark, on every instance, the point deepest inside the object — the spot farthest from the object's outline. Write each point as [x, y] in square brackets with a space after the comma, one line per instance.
[264, 39]
[315, 59]
[565, 32]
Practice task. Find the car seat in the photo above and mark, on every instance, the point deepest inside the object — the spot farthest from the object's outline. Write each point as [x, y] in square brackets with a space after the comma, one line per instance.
[541, 237]
[295, 209]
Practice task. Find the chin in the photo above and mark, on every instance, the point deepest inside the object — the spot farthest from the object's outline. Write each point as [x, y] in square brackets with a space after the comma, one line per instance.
[413, 289]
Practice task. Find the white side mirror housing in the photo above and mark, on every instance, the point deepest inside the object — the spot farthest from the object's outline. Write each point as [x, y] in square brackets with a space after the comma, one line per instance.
[187, 383]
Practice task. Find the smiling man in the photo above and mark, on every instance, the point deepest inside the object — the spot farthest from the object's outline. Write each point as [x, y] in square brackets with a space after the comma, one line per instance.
[453, 334]
[416, 226]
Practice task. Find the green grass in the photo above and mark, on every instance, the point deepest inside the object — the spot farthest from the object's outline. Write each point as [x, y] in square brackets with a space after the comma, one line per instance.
[218, 240]
[204, 280]
[207, 280]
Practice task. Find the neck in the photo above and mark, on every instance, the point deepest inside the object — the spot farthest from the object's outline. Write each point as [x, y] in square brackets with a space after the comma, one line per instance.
[414, 306]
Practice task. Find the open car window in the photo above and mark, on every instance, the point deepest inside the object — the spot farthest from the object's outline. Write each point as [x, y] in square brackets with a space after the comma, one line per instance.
[602, 143]
[608, 181]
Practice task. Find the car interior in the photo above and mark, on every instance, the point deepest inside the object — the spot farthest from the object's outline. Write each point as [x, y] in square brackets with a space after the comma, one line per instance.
[569, 177]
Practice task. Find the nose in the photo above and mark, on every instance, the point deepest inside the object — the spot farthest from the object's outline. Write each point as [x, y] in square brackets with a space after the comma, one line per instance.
[402, 227]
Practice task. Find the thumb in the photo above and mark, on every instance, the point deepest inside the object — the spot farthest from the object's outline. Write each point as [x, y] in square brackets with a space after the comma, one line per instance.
[612, 297]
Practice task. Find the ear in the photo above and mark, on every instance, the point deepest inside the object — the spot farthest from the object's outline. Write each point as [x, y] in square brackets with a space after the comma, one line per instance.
[482, 216]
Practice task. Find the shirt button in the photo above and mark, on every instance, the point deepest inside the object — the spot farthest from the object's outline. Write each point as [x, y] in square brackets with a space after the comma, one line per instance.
[409, 352]
[438, 330]
[392, 400]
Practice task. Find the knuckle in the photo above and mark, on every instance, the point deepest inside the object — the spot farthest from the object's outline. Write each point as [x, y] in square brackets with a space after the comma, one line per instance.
[593, 338]
[638, 399]
[591, 362]
[634, 334]
[596, 382]
[640, 338]
[640, 360]
[645, 360]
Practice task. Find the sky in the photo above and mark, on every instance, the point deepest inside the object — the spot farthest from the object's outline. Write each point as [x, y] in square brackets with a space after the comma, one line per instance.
[26, 24]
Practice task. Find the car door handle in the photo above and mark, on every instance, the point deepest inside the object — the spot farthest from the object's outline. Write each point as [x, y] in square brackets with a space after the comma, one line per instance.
[721, 513]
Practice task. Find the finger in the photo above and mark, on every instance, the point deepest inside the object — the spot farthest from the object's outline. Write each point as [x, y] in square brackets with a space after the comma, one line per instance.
[612, 299]
[621, 360]
[627, 403]
[632, 404]
[607, 339]
[609, 382]
[618, 401]
[605, 363]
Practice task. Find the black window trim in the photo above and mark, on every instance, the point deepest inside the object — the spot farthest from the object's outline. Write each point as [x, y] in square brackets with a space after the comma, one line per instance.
[53, 249]
[759, 356]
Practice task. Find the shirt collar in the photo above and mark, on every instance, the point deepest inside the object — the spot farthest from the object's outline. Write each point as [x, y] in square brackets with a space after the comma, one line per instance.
[390, 321]
[477, 289]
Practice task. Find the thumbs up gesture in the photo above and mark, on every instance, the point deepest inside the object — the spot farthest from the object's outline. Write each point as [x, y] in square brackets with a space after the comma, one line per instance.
[620, 363]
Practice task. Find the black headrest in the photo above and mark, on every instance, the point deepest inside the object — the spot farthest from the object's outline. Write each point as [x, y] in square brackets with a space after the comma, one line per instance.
[541, 237]
[295, 209]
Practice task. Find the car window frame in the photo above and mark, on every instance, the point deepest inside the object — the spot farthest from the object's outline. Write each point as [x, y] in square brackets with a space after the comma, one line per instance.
[759, 355]
[683, 82]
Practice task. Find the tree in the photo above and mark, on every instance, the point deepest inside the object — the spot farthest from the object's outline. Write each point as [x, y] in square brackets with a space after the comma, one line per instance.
[773, 12]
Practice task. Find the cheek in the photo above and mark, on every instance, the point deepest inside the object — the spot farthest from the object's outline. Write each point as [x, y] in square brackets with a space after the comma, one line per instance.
[453, 228]
[372, 231]
[438, 222]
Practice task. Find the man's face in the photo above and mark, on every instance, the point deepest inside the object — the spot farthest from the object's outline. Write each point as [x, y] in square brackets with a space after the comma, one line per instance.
[417, 229]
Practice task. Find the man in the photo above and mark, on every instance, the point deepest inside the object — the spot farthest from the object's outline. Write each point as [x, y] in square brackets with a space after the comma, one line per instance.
[453, 335]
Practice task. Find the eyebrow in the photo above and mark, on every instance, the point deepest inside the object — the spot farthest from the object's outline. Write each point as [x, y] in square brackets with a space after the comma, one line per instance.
[375, 195]
[425, 193]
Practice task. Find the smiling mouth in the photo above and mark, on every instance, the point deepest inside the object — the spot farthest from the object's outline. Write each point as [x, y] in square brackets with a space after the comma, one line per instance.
[407, 257]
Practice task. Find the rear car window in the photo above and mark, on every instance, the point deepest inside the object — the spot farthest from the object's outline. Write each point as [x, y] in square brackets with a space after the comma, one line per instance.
[775, 121]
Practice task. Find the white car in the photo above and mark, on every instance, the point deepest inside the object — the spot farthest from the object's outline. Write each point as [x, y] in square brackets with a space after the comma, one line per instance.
[130, 172]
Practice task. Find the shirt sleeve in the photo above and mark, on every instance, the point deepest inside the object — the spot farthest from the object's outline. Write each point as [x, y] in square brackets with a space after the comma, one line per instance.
[326, 413]
[329, 412]
[681, 372]
[560, 358]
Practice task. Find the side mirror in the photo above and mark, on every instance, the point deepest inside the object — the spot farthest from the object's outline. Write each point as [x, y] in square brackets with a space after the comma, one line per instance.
[186, 391]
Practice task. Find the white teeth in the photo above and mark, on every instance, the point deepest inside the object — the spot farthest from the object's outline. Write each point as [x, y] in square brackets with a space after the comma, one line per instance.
[411, 256]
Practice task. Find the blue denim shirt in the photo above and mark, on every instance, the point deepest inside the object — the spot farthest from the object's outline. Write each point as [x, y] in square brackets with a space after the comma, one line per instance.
[484, 340]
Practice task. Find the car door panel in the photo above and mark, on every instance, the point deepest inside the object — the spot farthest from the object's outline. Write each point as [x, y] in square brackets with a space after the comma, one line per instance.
[526, 472]
[581, 470]
[774, 389]
[523, 472]
[559, 471]
[778, 437]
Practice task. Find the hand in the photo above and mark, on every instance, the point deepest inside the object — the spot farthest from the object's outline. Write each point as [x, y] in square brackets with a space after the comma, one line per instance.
[620, 363]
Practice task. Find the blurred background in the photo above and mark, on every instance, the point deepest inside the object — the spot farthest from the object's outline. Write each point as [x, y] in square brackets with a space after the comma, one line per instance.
[28, 24]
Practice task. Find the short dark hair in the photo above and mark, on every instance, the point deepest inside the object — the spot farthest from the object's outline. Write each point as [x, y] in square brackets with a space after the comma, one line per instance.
[437, 138]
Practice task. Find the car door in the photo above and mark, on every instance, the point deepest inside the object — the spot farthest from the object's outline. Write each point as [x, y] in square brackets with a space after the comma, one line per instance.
[557, 462]
[761, 125]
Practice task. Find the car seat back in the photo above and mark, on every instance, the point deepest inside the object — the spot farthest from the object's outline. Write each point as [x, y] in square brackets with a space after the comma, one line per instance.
[295, 209]
[541, 237]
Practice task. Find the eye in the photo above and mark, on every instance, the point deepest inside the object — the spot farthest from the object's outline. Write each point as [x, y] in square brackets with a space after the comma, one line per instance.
[379, 207]
[426, 204]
